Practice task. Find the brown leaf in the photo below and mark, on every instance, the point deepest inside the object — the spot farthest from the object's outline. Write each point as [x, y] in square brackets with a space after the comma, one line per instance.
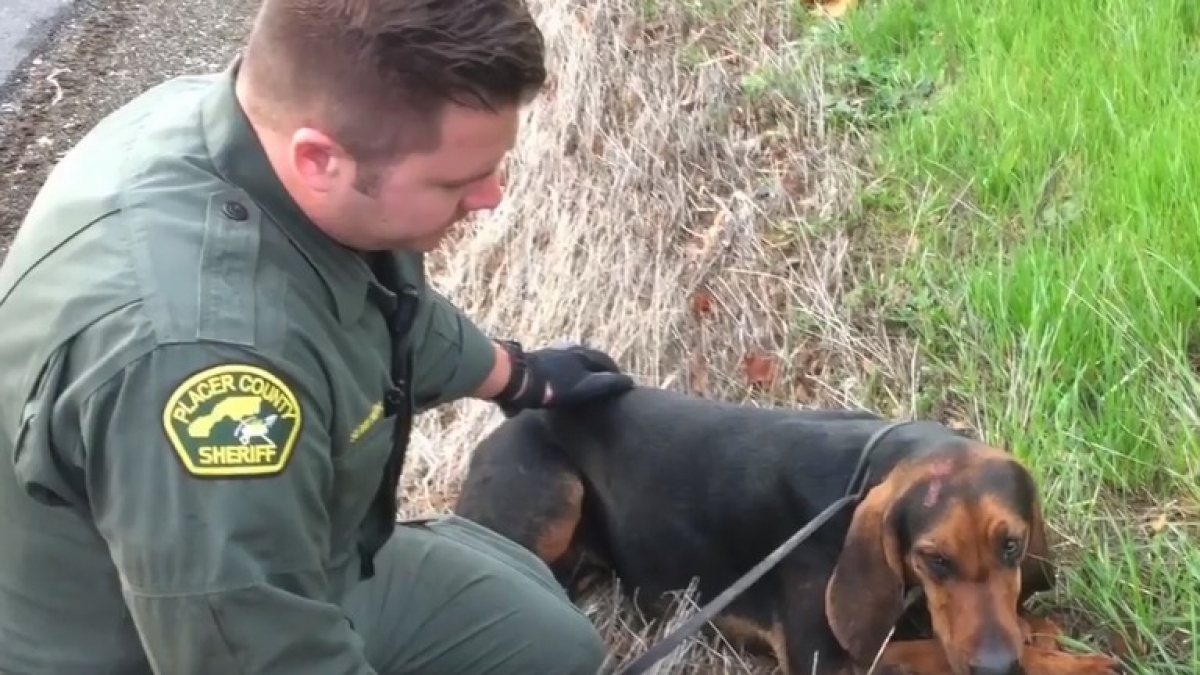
[698, 369]
[833, 8]
[808, 364]
[760, 369]
[957, 422]
[1118, 646]
[703, 245]
[1160, 523]
[702, 303]
[805, 393]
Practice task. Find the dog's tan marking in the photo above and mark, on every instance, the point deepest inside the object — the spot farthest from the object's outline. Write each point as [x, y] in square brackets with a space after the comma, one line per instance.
[746, 633]
[555, 533]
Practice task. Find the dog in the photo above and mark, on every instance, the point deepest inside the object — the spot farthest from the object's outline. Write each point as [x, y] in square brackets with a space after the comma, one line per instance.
[660, 488]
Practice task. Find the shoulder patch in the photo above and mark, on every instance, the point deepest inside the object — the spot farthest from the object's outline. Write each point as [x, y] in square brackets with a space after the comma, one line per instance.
[233, 420]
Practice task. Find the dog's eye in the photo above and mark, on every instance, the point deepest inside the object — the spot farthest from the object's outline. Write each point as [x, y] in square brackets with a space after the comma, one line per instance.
[1010, 549]
[938, 565]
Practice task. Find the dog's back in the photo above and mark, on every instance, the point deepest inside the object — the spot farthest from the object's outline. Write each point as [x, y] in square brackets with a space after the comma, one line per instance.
[655, 465]
[696, 450]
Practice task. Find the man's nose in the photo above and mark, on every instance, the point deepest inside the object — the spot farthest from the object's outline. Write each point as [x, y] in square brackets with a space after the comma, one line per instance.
[996, 661]
[485, 195]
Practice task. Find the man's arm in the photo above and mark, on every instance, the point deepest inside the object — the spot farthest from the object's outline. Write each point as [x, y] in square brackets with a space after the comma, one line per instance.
[207, 470]
[453, 358]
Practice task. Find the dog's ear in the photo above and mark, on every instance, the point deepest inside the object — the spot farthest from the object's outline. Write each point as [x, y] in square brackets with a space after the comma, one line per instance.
[865, 594]
[1037, 568]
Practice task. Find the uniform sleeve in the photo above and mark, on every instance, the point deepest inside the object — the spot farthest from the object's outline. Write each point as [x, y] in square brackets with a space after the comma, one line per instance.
[452, 356]
[208, 467]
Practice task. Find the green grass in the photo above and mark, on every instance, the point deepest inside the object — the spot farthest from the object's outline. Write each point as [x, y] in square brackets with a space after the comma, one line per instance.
[1046, 156]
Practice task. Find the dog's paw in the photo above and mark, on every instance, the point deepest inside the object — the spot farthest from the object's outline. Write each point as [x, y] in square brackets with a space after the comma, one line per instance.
[1055, 662]
[1040, 632]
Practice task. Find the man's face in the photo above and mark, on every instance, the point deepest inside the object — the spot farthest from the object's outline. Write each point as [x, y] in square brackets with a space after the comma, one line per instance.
[417, 200]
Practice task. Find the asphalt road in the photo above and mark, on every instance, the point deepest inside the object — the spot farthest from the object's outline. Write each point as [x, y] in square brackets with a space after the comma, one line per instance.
[24, 27]
[99, 54]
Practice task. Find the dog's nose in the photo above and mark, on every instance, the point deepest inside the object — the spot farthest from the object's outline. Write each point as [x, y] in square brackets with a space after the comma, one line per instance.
[996, 662]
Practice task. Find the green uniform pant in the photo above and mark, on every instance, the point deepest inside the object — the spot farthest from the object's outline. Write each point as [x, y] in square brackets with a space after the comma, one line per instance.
[452, 597]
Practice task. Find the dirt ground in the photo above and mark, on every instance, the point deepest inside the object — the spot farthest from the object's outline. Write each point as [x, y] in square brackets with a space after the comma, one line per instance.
[108, 52]
[651, 210]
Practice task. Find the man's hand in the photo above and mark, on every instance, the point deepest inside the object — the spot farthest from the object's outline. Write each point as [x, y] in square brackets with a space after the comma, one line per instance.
[558, 376]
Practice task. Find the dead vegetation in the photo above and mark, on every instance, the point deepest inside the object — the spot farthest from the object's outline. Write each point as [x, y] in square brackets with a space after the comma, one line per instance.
[667, 202]
[660, 211]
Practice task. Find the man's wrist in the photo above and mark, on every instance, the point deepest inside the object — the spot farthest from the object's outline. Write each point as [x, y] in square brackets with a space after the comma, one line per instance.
[518, 375]
[501, 375]
[497, 377]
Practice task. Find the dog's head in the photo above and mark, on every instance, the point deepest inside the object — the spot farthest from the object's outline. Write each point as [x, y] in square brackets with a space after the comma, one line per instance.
[964, 526]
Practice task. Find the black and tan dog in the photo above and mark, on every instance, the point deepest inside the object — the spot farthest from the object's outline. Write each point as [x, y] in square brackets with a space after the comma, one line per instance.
[661, 488]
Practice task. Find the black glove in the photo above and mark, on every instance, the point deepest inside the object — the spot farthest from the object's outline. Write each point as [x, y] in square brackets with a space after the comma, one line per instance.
[559, 376]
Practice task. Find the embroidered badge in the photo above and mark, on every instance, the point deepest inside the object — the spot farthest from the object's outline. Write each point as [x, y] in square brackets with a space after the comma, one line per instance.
[233, 420]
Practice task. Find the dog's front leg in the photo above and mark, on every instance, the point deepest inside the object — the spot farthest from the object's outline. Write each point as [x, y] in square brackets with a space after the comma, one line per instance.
[810, 646]
[1043, 655]
[1042, 661]
[820, 657]
[926, 657]
[1039, 631]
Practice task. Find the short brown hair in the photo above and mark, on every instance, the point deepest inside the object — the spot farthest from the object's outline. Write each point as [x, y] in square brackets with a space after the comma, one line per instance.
[377, 73]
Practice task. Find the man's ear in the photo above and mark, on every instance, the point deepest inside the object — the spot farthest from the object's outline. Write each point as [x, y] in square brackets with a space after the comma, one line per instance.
[317, 159]
[865, 594]
[1037, 568]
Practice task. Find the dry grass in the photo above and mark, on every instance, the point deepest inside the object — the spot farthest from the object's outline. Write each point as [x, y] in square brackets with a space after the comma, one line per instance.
[641, 180]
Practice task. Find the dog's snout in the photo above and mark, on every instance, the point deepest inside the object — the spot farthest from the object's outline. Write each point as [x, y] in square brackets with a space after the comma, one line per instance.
[996, 661]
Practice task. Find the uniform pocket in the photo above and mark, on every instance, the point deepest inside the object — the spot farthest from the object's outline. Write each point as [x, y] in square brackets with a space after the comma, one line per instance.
[357, 472]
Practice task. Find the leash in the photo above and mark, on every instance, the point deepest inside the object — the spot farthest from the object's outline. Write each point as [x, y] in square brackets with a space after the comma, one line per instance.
[854, 491]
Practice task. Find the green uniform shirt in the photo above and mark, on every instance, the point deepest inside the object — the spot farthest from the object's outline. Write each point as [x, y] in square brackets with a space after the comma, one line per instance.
[191, 418]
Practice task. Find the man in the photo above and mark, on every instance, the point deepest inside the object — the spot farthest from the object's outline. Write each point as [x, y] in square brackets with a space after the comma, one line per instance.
[210, 357]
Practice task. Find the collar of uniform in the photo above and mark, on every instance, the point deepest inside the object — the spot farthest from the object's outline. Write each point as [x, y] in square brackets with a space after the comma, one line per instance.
[239, 157]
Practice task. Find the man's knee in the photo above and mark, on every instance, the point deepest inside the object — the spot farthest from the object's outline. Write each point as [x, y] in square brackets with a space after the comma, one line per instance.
[570, 645]
[536, 628]
[454, 597]
[593, 656]
[545, 639]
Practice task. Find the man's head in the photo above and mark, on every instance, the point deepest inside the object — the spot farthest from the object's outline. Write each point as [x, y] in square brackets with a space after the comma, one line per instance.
[388, 120]
[966, 527]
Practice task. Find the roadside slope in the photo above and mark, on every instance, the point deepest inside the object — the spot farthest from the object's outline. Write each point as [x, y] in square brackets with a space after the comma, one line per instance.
[675, 199]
